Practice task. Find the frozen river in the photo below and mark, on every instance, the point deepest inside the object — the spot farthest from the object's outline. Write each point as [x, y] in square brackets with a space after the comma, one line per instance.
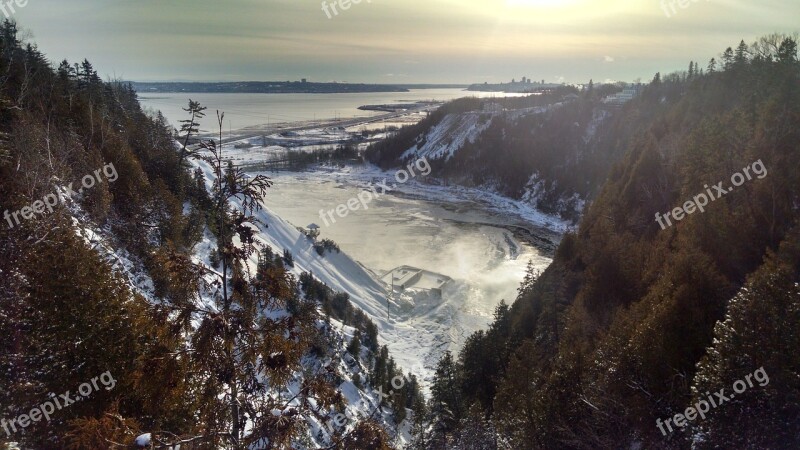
[455, 237]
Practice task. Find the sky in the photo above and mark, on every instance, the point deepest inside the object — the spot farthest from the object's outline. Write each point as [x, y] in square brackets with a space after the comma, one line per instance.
[396, 41]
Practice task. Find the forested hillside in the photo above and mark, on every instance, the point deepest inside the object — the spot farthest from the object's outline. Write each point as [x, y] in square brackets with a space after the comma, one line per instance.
[116, 326]
[553, 150]
[635, 323]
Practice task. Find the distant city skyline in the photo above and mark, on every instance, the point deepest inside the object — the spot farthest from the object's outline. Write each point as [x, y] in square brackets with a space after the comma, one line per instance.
[394, 41]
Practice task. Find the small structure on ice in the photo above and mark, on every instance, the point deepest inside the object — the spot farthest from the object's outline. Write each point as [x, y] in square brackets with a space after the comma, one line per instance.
[407, 277]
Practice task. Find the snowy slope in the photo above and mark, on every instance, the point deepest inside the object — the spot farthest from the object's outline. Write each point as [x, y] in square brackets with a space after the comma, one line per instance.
[415, 348]
[338, 271]
[449, 135]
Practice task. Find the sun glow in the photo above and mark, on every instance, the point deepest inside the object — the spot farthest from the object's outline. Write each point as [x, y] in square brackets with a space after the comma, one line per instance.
[542, 3]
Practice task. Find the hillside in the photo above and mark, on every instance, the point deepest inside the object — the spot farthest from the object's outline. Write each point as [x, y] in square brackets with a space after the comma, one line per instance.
[552, 150]
[622, 341]
[146, 297]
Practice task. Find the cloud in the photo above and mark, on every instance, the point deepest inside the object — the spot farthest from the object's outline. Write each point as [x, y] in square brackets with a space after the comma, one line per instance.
[608, 59]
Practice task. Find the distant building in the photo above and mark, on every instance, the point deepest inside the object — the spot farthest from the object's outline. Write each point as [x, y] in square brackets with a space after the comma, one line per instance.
[304, 80]
[625, 96]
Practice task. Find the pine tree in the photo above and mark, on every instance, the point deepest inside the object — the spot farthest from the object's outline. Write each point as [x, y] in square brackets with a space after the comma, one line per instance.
[354, 347]
[787, 52]
[712, 65]
[288, 259]
[727, 59]
[378, 375]
[189, 127]
[531, 275]
[741, 55]
[65, 71]
[447, 408]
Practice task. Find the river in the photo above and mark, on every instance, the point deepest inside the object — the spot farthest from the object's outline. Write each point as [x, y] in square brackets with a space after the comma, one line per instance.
[246, 110]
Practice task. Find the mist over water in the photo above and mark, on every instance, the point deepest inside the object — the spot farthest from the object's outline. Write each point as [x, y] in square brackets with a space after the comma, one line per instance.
[486, 262]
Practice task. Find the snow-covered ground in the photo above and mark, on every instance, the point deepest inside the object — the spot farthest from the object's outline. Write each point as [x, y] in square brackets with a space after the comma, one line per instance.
[450, 135]
[480, 239]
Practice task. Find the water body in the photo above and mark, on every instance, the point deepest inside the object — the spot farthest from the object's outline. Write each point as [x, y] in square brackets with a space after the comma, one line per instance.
[245, 110]
[460, 240]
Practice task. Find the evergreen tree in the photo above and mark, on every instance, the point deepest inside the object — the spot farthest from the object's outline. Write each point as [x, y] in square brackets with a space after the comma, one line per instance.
[787, 52]
[288, 259]
[712, 65]
[189, 127]
[727, 59]
[447, 408]
[354, 347]
[741, 56]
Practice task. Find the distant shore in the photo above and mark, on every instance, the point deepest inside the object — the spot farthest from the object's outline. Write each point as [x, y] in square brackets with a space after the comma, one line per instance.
[278, 87]
[304, 125]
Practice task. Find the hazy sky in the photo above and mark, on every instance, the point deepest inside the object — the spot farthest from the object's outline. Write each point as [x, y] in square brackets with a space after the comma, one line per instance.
[396, 41]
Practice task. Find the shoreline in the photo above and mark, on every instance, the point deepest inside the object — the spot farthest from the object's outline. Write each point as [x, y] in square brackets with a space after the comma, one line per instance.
[542, 238]
[255, 131]
[525, 222]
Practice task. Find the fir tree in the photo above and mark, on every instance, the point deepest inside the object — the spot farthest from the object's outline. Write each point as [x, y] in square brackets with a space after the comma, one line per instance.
[712, 65]
[189, 127]
[354, 347]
